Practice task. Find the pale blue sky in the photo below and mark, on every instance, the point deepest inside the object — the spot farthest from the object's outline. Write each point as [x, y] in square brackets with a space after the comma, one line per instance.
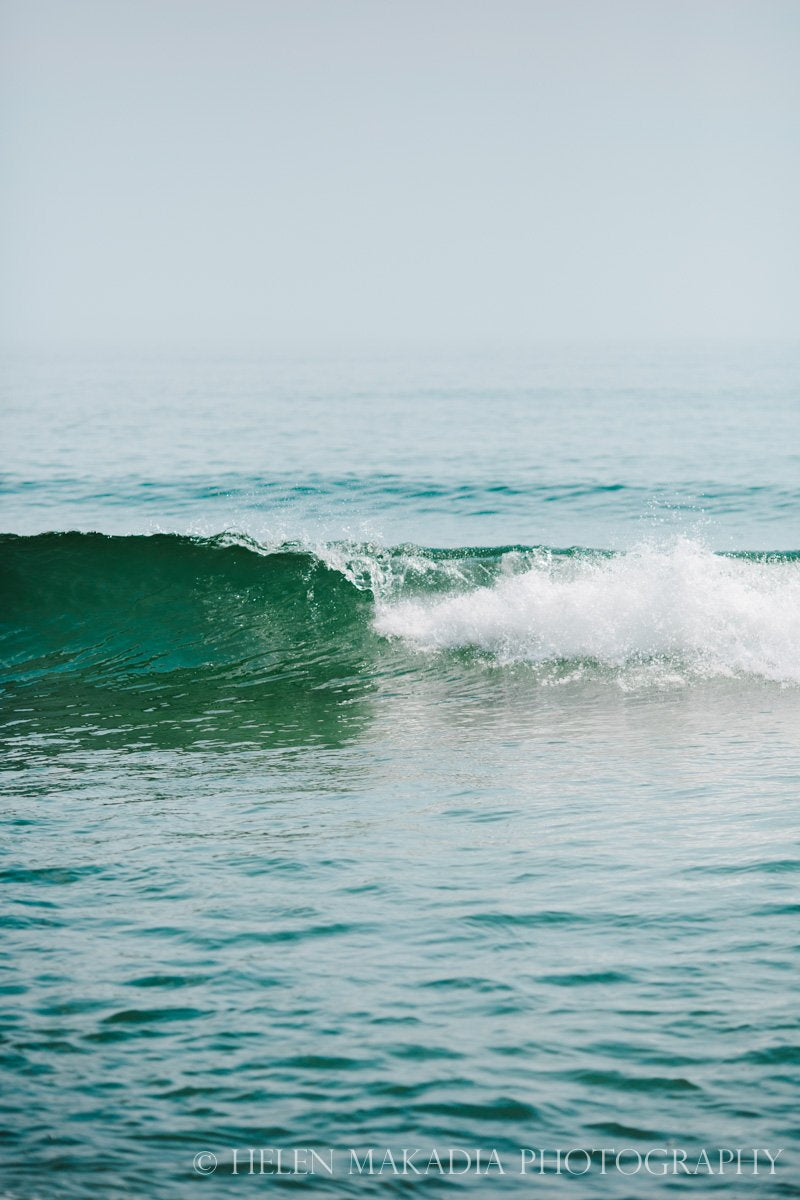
[457, 170]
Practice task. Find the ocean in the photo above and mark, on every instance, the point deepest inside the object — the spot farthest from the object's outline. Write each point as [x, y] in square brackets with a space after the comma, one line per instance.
[401, 753]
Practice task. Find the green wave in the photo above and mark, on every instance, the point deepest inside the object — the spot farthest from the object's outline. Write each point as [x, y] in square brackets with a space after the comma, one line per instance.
[125, 606]
[165, 630]
[169, 639]
[112, 607]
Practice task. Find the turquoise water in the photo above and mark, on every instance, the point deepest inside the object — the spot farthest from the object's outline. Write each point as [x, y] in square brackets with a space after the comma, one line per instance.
[399, 751]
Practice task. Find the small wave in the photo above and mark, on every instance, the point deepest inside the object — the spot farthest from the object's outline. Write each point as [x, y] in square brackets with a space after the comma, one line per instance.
[125, 610]
[680, 609]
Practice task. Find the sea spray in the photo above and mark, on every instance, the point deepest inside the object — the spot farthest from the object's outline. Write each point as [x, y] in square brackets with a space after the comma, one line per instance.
[676, 604]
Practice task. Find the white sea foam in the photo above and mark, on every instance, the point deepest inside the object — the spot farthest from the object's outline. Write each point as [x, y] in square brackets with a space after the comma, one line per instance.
[677, 605]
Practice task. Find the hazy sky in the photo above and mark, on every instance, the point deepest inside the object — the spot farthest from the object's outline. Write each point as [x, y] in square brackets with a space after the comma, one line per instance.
[224, 170]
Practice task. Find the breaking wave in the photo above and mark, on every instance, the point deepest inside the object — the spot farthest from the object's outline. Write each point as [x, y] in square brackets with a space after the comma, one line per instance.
[122, 609]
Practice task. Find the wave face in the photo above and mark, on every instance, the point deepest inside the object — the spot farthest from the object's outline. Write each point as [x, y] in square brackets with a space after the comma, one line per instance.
[117, 607]
[130, 610]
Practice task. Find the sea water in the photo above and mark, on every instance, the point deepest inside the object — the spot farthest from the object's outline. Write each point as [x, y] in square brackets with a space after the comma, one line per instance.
[400, 752]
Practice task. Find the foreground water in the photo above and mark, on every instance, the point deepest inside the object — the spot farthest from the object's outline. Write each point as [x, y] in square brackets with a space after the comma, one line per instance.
[319, 837]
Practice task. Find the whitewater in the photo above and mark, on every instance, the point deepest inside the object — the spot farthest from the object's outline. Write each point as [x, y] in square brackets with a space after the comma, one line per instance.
[675, 607]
